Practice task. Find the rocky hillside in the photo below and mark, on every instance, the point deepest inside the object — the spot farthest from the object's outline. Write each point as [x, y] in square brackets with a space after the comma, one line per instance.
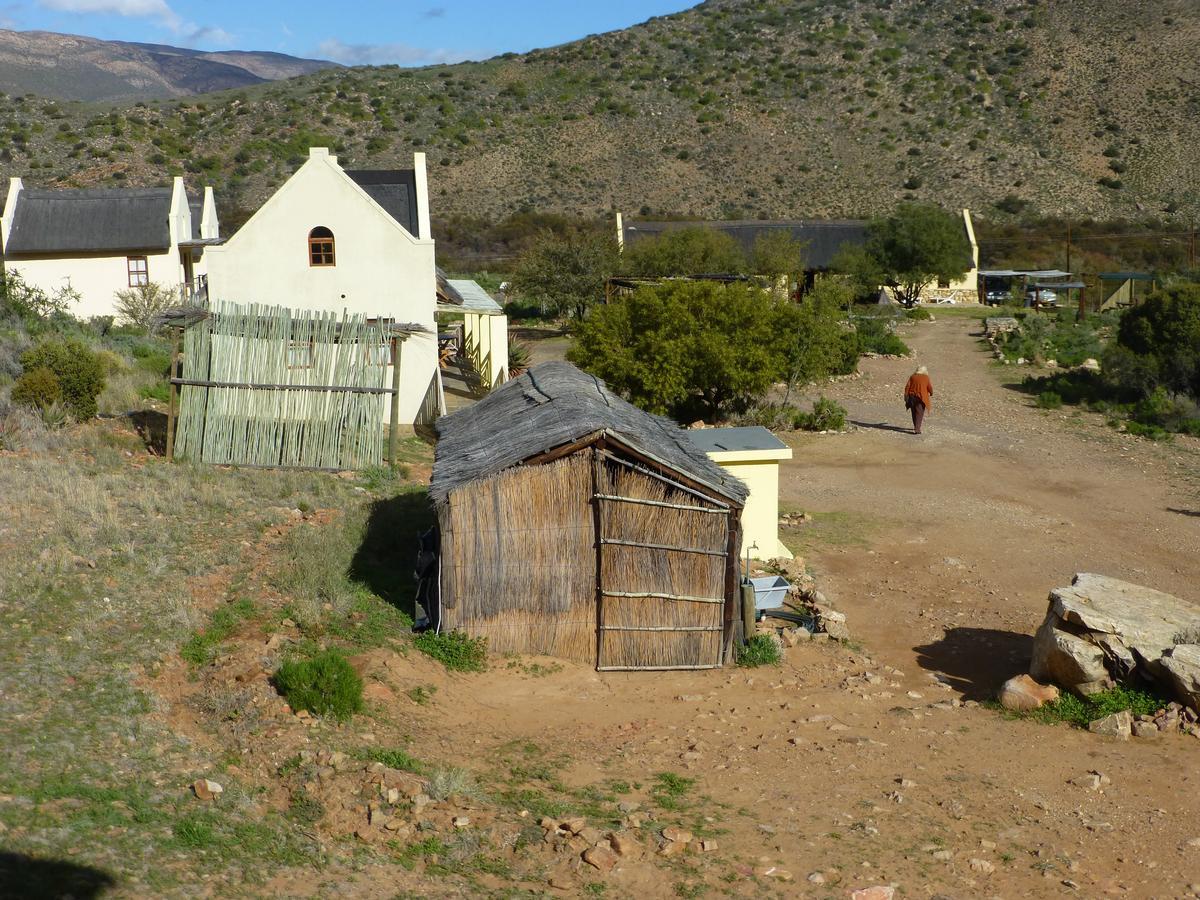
[70, 67]
[736, 108]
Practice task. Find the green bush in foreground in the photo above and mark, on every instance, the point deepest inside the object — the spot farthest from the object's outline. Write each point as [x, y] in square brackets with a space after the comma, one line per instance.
[324, 684]
[37, 388]
[455, 650]
[1049, 400]
[760, 650]
[78, 369]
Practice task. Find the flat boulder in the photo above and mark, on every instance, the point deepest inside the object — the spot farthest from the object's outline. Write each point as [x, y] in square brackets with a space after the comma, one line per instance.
[1101, 630]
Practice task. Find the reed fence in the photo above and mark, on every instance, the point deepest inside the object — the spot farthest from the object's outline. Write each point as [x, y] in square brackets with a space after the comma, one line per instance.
[269, 386]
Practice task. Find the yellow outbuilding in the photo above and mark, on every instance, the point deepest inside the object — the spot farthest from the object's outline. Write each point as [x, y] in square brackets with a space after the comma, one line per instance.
[752, 454]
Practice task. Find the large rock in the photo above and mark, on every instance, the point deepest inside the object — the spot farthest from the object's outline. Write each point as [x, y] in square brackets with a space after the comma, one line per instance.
[1118, 725]
[1182, 663]
[1023, 693]
[1100, 630]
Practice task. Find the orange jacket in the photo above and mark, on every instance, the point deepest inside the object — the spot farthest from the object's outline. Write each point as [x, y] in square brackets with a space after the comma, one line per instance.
[921, 387]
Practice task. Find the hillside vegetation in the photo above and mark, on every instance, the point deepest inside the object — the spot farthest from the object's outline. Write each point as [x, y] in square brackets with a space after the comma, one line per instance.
[736, 108]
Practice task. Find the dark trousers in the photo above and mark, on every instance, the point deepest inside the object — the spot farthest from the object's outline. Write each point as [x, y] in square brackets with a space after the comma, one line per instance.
[918, 413]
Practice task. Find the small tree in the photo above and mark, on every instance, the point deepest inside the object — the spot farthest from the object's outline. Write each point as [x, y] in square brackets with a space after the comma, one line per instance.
[687, 347]
[1164, 332]
[912, 248]
[685, 251]
[814, 334]
[566, 272]
[139, 305]
[78, 370]
[22, 301]
[779, 256]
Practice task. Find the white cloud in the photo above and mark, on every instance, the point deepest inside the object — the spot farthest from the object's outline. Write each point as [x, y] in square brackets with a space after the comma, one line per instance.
[134, 8]
[205, 34]
[382, 54]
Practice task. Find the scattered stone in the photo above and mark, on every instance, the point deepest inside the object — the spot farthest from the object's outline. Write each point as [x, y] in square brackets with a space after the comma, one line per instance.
[461, 822]
[943, 855]
[777, 873]
[981, 866]
[708, 846]
[1145, 730]
[1023, 693]
[204, 789]
[1092, 781]
[671, 833]
[817, 877]
[561, 882]
[878, 892]
[1118, 725]
[987, 845]
[600, 857]
[623, 845]
[573, 826]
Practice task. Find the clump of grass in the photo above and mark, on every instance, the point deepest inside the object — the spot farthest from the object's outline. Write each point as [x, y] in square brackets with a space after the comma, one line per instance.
[422, 694]
[201, 647]
[669, 789]
[455, 650]
[449, 781]
[1049, 400]
[1079, 712]
[324, 684]
[398, 759]
[760, 650]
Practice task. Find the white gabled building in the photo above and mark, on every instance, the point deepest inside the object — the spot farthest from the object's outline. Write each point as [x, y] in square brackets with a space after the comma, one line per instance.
[99, 241]
[337, 239]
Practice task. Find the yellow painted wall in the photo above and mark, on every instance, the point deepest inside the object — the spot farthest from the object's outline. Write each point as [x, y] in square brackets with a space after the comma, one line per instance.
[759, 471]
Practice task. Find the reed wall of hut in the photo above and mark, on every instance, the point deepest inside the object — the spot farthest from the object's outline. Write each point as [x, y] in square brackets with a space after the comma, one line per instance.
[590, 557]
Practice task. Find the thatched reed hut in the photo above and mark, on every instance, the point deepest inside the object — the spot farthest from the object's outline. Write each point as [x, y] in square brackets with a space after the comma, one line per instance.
[574, 524]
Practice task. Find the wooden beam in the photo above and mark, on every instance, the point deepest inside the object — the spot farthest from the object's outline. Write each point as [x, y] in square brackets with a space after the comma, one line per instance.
[327, 388]
[645, 469]
[642, 546]
[641, 595]
[659, 503]
[660, 627]
[561, 450]
[173, 399]
[394, 425]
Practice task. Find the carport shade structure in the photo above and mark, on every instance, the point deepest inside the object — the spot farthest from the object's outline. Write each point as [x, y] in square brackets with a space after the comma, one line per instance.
[573, 524]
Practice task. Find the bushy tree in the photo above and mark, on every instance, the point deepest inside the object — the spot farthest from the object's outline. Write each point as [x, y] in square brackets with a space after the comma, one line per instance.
[566, 272]
[687, 348]
[685, 251]
[1163, 335]
[814, 335]
[22, 301]
[909, 250]
[139, 305]
[779, 256]
[78, 370]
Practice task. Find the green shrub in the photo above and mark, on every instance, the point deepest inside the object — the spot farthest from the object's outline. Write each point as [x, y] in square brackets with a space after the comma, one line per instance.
[79, 370]
[455, 650]
[1079, 712]
[918, 314]
[1049, 400]
[827, 415]
[324, 684]
[37, 388]
[760, 650]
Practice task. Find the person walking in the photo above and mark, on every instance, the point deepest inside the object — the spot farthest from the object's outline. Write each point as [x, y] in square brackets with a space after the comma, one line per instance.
[917, 394]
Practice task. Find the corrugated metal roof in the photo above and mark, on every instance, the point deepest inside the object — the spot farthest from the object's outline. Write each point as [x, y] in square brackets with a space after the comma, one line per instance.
[90, 221]
[551, 405]
[474, 297]
[395, 190]
[823, 238]
[747, 437]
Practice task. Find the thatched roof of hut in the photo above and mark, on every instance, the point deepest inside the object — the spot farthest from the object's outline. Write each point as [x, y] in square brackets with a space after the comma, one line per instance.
[551, 405]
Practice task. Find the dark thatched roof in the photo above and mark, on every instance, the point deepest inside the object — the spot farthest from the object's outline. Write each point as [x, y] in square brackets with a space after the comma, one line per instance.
[90, 221]
[393, 189]
[555, 404]
[822, 238]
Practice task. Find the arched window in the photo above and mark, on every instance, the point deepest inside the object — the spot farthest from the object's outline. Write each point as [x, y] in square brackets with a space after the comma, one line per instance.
[320, 247]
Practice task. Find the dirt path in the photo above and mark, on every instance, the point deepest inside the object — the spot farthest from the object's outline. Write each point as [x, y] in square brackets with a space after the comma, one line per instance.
[969, 525]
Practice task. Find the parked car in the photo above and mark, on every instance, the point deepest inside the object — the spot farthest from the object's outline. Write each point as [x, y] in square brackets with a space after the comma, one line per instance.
[997, 296]
[1041, 297]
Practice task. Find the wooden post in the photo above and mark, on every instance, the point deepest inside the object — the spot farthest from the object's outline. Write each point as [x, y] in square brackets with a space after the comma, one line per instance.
[393, 425]
[173, 397]
[748, 611]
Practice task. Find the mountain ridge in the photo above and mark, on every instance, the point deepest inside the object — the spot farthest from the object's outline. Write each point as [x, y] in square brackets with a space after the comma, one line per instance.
[731, 109]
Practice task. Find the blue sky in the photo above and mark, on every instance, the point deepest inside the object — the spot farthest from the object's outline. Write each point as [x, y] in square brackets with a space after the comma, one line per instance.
[348, 31]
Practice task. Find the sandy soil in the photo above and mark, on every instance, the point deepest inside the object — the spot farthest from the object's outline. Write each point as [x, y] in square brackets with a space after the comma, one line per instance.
[855, 765]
